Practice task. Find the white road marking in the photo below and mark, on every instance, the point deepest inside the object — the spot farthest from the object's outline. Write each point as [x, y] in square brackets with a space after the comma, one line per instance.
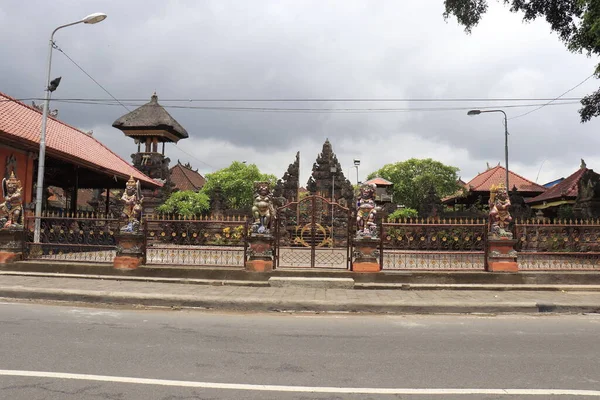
[302, 389]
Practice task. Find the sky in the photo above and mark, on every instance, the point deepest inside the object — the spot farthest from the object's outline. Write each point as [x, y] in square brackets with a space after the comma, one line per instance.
[204, 52]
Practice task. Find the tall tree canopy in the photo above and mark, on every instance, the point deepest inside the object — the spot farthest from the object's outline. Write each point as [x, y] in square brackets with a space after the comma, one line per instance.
[577, 23]
[414, 178]
[236, 183]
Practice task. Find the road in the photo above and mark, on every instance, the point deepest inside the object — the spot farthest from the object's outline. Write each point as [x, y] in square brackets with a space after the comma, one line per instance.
[63, 352]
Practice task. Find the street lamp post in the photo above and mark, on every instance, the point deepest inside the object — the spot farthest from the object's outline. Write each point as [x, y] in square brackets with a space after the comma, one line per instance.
[50, 87]
[477, 112]
[333, 170]
[356, 164]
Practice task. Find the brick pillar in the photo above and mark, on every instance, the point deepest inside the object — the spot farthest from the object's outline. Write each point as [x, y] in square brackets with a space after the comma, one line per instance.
[11, 245]
[365, 255]
[131, 250]
[502, 256]
[260, 253]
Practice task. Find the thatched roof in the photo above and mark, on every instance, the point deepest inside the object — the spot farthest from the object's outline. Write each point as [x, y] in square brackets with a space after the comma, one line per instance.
[150, 116]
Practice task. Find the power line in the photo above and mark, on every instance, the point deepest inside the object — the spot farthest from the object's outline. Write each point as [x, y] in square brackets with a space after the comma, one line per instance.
[328, 110]
[115, 99]
[88, 75]
[553, 100]
[316, 100]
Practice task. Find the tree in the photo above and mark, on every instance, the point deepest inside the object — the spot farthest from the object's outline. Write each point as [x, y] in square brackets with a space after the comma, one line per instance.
[414, 178]
[236, 183]
[577, 23]
[186, 203]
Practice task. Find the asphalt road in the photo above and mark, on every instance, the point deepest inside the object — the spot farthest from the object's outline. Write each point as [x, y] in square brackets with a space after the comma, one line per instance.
[61, 352]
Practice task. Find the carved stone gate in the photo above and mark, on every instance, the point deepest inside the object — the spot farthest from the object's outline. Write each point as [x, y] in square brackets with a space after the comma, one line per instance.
[313, 232]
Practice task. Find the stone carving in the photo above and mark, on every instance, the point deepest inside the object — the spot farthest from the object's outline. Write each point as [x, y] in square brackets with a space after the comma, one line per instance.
[263, 210]
[365, 212]
[499, 218]
[132, 207]
[287, 187]
[11, 209]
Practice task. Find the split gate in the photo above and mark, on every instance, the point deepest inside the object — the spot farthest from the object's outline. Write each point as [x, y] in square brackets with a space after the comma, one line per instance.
[313, 232]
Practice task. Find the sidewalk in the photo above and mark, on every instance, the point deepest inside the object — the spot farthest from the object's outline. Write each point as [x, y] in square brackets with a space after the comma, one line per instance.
[115, 291]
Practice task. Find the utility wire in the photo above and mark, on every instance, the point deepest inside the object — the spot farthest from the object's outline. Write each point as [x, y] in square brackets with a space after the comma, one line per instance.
[329, 110]
[340, 100]
[88, 75]
[553, 100]
[115, 99]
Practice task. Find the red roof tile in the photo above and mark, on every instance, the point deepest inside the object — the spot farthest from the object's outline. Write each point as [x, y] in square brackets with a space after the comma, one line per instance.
[378, 181]
[22, 123]
[566, 189]
[493, 176]
[186, 179]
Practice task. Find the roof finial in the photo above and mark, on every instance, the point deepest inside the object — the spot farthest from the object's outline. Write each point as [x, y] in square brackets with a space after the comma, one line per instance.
[583, 165]
[154, 97]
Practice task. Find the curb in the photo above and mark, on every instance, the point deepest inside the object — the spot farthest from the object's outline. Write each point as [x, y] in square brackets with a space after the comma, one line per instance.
[357, 285]
[213, 303]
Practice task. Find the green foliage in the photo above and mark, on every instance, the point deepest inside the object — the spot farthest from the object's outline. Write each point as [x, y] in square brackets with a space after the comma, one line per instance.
[402, 213]
[186, 203]
[236, 183]
[565, 211]
[577, 23]
[413, 178]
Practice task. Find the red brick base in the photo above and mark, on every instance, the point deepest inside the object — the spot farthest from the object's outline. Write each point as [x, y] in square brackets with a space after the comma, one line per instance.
[365, 267]
[126, 262]
[8, 257]
[503, 266]
[259, 265]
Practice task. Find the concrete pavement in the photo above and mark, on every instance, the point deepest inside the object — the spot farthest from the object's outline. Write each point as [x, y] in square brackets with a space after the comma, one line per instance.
[216, 295]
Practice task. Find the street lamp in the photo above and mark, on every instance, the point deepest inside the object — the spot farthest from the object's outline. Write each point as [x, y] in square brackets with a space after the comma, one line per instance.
[333, 170]
[356, 164]
[50, 87]
[477, 112]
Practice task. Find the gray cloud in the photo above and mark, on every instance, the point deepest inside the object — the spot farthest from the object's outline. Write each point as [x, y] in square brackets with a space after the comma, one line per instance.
[310, 49]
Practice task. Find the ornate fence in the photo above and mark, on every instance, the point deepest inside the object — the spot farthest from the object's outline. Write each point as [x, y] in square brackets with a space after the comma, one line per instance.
[87, 237]
[558, 244]
[455, 244]
[208, 241]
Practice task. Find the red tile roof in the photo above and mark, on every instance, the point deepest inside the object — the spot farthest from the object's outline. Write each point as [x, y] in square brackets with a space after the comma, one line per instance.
[186, 179]
[21, 124]
[493, 176]
[566, 189]
[378, 181]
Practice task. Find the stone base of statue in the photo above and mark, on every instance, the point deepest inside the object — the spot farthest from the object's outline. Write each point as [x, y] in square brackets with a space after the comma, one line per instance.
[260, 253]
[501, 255]
[11, 245]
[365, 255]
[131, 252]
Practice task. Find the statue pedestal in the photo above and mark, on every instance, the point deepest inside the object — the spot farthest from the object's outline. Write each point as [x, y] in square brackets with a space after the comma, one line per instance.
[365, 255]
[11, 245]
[131, 250]
[260, 253]
[501, 255]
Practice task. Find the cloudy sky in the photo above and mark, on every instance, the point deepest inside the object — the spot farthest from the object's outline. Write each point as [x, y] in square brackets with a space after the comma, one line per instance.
[303, 49]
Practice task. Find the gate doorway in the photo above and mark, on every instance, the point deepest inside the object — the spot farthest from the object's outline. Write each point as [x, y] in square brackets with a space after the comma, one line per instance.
[313, 233]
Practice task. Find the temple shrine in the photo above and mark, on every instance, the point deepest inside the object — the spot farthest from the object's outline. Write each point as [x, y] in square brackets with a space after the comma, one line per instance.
[149, 125]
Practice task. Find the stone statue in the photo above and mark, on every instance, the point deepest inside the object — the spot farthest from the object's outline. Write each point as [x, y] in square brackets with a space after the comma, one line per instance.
[366, 211]
[262, 208]
[11, 209]
[499, 216]
[132, 207]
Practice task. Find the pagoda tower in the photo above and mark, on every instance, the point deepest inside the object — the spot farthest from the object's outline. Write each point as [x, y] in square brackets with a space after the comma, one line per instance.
[326, 172]
[150, 125]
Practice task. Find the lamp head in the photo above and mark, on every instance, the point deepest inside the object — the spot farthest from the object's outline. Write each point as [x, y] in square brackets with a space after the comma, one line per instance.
[474, 112]
[54, 84]
[94, 18]
[356, 162]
